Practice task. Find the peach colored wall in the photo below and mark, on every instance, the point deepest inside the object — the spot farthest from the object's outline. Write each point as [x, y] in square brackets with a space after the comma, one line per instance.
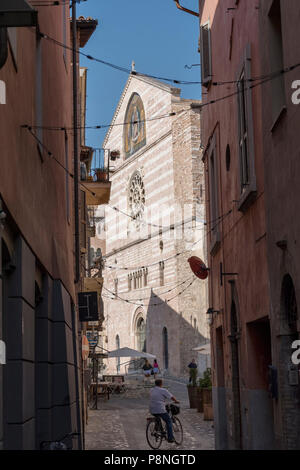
[33, 190]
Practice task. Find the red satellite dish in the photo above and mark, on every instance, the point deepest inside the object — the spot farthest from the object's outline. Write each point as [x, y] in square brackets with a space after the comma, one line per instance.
[198, 267]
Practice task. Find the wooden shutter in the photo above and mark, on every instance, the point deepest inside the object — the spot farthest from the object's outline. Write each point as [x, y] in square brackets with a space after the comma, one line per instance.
[205, 50]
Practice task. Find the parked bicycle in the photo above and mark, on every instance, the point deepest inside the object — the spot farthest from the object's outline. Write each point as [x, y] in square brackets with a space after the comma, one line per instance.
[156, 430]
[59, 445]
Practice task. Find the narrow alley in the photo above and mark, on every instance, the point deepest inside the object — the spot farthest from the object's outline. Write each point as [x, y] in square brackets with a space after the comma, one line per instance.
[120, 424]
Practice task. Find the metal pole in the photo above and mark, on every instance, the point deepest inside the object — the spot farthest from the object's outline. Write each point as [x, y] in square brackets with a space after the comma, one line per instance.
[76, 160]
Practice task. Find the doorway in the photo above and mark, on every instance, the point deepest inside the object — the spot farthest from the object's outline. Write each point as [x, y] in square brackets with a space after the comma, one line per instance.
[236, 392]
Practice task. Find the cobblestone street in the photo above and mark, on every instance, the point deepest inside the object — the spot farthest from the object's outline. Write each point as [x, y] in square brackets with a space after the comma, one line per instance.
[120, 424]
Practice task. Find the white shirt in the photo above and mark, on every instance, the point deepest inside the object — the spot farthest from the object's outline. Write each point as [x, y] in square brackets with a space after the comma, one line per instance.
[158, 398]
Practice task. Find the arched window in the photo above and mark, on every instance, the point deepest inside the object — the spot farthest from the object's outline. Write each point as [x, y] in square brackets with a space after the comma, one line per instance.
[165, 348]
[98, 253]
[141, 334]
[134, 136]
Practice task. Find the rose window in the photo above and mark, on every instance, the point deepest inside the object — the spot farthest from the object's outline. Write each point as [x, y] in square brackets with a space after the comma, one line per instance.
[137, 196]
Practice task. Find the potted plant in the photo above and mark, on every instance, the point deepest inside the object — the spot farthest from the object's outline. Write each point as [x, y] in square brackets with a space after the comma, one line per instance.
[100, 174]
[192, 388]
[205, 395]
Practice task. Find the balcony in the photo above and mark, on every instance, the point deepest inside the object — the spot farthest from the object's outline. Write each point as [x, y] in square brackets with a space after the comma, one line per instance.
[93, 284]
[94, 176]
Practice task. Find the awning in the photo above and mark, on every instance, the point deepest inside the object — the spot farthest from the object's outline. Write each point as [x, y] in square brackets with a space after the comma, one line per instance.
[203, 349]
[127, 352]
[17, 13]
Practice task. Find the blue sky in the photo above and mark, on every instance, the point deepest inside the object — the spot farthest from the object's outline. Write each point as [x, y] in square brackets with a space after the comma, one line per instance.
[160, 39]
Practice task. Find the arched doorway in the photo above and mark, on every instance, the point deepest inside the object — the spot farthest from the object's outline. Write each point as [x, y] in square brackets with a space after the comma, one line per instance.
[140, 334]
[235, 380]
[118, 362]
[289, 387]
[165, 348]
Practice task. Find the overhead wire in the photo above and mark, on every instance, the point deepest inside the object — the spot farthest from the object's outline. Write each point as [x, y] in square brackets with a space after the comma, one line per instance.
[166, 79]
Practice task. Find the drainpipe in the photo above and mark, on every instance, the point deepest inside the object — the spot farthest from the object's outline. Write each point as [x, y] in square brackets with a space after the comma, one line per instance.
[76, 163]
[185, 9]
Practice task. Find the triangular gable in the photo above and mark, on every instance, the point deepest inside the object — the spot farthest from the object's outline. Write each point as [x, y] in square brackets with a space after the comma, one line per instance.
[151, 81]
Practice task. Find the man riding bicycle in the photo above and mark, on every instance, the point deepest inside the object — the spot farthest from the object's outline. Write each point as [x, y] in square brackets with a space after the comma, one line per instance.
[158, 398]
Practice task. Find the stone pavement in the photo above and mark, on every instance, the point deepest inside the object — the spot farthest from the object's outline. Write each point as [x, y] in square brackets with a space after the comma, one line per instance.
[120, 424]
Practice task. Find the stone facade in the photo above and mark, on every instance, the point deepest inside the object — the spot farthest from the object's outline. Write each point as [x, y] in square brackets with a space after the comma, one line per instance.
[159, 185]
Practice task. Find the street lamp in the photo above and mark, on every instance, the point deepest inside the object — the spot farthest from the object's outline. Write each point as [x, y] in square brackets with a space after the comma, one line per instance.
[17, 13]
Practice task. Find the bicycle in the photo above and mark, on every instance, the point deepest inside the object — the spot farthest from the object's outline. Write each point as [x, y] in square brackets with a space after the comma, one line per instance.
[58, 445]
[156, 430]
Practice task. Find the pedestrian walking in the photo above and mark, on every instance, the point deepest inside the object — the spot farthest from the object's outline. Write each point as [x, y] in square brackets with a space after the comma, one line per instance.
[155, 369]
[147, 368]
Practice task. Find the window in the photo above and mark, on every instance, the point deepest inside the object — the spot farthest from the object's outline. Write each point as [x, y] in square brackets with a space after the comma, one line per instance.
[130, 282]
[13, 42]
[141, 334]
[64, 28]
[245, 134]
[145, 277]
[67, 178]
[213, 196]
[92, 256]
[134, 132]
[162, 272]
[39, 97]
[83, 224]
[205, 51]
[276, 60]
[228, 158]
[3, 46]
[118, 361]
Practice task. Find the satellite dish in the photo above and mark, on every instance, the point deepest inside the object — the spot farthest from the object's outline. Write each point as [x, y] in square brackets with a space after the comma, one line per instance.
[198, 267]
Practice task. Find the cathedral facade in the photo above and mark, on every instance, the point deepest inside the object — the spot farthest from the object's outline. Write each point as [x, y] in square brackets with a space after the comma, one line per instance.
[154, 224]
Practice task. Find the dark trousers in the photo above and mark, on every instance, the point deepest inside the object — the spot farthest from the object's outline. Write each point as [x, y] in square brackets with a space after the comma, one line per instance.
[167, 419]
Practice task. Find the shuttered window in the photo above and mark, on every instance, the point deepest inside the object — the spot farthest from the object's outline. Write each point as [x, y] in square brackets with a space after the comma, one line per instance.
[246, 134]
[83, 220]
[205, 51]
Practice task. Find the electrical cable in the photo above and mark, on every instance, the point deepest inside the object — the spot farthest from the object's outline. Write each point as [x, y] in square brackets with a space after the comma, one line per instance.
[166, 79]
[117, 297]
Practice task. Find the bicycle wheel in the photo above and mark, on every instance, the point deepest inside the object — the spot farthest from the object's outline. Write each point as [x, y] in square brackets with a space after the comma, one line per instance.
[177, 431]
[154, 436]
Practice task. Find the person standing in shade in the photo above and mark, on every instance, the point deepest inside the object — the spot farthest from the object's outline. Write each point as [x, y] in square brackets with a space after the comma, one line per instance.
[191, 366]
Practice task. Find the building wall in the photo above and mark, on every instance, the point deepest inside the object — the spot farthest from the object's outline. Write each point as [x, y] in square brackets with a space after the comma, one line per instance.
[281, 167]
[39, 396]
[243, 409]
[26, 177]
[172, 173]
